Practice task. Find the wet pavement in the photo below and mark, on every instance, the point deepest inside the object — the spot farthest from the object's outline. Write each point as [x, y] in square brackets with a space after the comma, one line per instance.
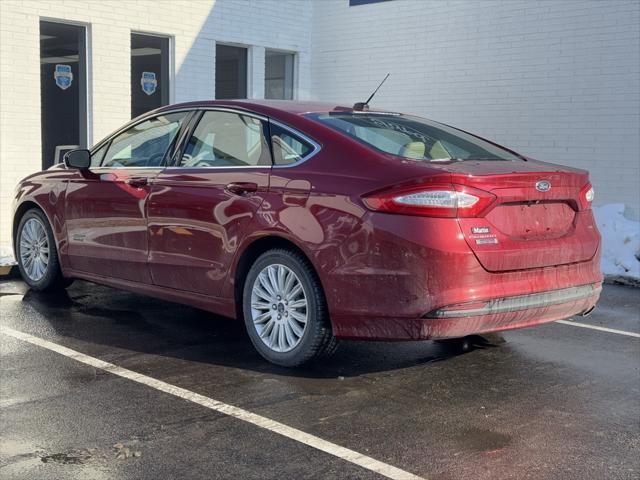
[555, 401]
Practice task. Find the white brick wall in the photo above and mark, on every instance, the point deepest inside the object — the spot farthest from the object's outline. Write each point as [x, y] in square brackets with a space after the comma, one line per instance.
[558, 80]
[195, 25]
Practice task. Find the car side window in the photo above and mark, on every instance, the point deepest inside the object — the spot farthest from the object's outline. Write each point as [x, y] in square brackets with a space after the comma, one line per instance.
[287, 147]
[97, 155]
[226, 139]
[144, 144]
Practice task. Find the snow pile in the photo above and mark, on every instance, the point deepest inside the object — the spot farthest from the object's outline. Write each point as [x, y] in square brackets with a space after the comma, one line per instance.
[6, 256]
[620, 241]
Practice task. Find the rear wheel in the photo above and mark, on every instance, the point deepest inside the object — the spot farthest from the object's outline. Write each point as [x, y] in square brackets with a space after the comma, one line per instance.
[37, 254]
[285, 310]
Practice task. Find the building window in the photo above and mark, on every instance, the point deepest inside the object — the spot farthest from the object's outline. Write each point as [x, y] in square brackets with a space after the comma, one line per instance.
[278, 75]
[231, 72]
[63, 90]
[149, 73]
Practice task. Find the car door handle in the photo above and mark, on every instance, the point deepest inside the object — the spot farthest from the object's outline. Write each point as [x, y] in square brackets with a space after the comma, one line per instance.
[242, 188]
[137, 182]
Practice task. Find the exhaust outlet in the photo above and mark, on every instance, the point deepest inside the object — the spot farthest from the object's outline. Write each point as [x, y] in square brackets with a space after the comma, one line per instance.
[588, 311]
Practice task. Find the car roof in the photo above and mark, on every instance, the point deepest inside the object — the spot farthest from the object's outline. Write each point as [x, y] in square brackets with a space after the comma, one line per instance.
[265, 106]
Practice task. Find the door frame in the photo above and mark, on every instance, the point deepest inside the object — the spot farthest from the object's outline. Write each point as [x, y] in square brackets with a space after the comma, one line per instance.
[86, 97]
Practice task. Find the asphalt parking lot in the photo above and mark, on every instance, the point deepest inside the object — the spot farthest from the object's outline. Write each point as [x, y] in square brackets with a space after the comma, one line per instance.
[556, 401]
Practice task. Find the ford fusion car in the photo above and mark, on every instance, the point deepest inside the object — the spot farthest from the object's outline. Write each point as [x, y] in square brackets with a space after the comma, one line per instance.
[314, 222]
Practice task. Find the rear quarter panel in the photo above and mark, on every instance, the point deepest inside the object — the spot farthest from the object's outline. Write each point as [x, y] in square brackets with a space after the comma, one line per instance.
[317, 206]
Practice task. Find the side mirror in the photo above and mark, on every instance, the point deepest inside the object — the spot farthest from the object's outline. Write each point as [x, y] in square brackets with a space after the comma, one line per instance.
[80, 159]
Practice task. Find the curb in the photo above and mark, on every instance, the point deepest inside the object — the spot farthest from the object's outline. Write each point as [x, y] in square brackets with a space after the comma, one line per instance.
[8, 271]
[622, 280]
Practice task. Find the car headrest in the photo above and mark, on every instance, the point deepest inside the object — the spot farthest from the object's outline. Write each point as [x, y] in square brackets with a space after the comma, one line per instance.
[413, 150]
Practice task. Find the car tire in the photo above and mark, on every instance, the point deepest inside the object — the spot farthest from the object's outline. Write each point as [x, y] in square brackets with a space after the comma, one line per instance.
[280, 290]
[37, 255]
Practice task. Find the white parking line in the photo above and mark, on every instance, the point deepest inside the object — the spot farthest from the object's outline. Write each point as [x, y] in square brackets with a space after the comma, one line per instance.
[601, 329]
[352, 456]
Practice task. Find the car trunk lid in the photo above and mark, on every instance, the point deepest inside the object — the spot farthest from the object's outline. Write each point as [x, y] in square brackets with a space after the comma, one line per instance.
[536, 219]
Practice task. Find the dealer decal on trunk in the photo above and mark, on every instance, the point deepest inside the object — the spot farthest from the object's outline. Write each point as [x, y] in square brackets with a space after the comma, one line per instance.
[483, 236]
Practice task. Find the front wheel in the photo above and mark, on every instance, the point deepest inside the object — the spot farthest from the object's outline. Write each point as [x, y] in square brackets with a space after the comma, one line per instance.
[285, 310]
[37, 254]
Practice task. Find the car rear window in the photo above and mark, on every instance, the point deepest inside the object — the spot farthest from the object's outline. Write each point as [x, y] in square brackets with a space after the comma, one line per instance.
[412, 137]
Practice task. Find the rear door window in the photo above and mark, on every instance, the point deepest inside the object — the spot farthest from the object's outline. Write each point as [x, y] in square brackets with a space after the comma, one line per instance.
[226, 139]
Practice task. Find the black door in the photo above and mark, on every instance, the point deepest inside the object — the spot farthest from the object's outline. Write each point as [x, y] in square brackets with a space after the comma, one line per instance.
[149, 73]
[63, 91]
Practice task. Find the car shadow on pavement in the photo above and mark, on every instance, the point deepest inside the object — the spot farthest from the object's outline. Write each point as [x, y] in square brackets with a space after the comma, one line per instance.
[107, 317]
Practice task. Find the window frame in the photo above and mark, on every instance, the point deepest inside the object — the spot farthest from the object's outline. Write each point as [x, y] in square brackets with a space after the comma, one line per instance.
[193, 116]
[247, 69]
[294, 71]
[189, 113]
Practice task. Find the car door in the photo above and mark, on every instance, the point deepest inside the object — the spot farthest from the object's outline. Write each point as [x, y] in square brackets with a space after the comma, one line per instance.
[106, 206]
[200, 207]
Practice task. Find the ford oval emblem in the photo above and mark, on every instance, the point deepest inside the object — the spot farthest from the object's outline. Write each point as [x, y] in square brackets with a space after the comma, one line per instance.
[543, 186]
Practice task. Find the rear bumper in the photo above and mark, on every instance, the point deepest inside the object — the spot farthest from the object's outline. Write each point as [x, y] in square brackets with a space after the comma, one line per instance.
[500, 314]
[394, 274]
[516, 312]
[516, 303]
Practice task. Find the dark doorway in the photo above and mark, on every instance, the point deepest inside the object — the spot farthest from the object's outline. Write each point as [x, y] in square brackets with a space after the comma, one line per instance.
[149, 73]
[63, 90]
[231, 72]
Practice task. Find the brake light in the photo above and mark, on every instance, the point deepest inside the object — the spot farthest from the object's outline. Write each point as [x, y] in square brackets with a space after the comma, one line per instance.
[586, 196]
[444, 200]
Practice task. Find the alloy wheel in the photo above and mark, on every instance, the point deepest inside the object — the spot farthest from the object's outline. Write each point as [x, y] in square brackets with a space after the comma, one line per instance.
[34, 249]
[279, 308]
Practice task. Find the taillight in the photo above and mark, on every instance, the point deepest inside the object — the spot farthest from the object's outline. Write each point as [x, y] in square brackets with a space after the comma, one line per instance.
[431, 201]
[586, 196]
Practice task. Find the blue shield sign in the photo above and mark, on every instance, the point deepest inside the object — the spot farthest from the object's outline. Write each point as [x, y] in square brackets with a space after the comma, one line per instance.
[63, 76]
[149, 82]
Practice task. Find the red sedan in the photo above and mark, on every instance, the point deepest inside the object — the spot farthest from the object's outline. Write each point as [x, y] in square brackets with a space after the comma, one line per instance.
[314, 222]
